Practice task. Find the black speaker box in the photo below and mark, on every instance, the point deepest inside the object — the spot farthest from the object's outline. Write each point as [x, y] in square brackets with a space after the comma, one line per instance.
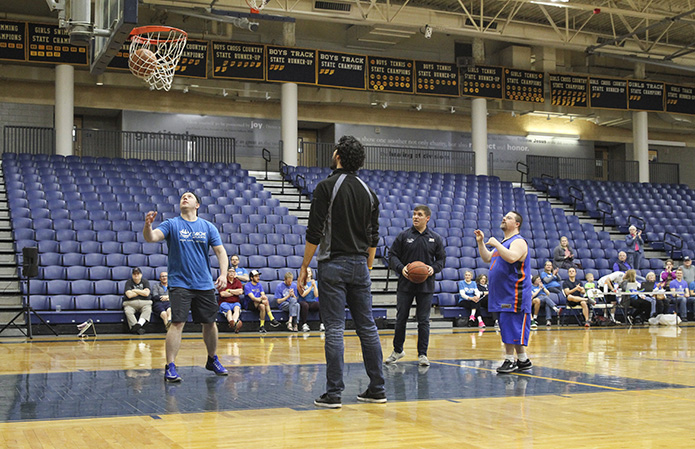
[30, 263]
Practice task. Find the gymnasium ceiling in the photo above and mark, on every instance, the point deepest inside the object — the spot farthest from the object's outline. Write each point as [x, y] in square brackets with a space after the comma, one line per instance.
[656, 31]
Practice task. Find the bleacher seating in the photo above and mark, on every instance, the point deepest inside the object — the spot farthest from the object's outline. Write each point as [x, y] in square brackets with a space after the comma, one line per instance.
[663, 207]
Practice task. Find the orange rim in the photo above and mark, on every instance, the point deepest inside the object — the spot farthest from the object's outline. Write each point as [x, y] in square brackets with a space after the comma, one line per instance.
[138, 34]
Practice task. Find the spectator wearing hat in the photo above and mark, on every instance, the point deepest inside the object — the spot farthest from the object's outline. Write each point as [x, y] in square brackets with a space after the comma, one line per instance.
[137, 300]
[257, 300]
[635, 247]
[688, 272]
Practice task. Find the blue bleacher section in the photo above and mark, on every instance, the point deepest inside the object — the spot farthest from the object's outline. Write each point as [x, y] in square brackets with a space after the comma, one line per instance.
[663, 207]
[86, 215]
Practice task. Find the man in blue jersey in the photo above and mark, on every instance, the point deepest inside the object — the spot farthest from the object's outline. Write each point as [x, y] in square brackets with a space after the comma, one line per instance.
[510, 289]
[191, 286]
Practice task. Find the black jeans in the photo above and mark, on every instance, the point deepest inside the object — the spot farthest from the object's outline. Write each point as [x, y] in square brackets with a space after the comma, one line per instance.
[423, 303]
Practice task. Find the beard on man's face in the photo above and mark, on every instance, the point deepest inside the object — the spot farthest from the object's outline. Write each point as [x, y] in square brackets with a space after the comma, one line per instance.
[334, 163]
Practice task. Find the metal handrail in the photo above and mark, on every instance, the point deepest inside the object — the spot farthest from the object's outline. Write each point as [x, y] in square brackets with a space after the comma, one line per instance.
[641, 222]
[267, 158]
[545, 180]
[676, 245]
[578, 196]
[521, 181]
[301, 186]
[603, 212]
[283, 167]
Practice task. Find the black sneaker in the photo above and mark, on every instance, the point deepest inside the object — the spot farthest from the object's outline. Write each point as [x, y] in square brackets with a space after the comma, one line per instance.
[328, 401]
[262, 330]
[136, 329]
[274, 323]
[367, 396]
[508, 366]
[523, 366]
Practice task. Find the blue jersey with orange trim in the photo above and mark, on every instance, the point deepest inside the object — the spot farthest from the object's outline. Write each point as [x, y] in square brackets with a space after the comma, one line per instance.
[510, 283]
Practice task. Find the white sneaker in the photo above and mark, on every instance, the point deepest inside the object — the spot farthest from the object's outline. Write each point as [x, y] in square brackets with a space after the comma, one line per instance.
[305, 328]
[322, 328]
[423, 360]
[394, 357]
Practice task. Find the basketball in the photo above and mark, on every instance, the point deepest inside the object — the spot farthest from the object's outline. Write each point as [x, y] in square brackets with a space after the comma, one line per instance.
[418, 272]
[143, 63]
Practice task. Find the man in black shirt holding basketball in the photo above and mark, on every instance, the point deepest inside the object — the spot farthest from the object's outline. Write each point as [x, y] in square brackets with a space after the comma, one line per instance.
[418, 243]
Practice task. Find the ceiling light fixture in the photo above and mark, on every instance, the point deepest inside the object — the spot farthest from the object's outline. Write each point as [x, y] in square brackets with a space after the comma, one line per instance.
[552, 136]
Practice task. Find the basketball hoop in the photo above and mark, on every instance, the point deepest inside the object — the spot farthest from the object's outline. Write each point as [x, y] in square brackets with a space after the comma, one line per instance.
[257, 5]
[154, 54]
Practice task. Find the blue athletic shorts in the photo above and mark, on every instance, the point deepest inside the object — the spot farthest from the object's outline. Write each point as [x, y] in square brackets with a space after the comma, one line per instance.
[227, 306]
[515, 328]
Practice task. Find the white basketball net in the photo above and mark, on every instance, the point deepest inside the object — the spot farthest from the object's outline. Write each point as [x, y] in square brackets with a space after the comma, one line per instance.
[157, 68]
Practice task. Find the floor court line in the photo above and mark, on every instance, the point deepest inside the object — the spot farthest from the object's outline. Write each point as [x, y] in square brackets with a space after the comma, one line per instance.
[494, 370]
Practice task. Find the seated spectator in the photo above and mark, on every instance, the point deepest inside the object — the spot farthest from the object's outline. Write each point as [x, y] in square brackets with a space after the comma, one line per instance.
[635, 248]
[621, 264]
[550, 278]
[257, 300]
[309, 301]
[137, 300]
[563, 256]
[668, 274]
[540, 294]
[470, 298]
[481, 281]
[286, 297]
[688, 273]
[574, 292]
[647, 288]
[681, 293]
[241, 273]
[610, 284]
[229, 301]
[589, 281]
[663, 300]
[642, 306]
[160, 299]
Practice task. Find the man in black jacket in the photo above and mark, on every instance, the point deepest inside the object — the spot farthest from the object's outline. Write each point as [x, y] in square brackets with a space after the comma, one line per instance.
[344, 220]
[418, 243]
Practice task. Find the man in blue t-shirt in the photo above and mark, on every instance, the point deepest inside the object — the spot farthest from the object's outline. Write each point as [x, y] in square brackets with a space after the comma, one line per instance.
[191, 287]
[257, 300]
[681, 292]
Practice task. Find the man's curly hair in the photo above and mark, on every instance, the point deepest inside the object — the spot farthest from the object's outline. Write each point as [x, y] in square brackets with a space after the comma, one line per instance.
[351, 153]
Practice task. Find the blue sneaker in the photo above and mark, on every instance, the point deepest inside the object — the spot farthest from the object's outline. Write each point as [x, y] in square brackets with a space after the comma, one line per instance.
[215, 365]
[170, 374]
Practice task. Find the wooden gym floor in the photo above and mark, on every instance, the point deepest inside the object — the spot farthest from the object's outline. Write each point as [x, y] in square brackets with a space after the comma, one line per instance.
[597, 388]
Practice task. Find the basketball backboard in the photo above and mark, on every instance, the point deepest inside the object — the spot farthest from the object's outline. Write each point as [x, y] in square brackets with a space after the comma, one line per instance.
[113, 21]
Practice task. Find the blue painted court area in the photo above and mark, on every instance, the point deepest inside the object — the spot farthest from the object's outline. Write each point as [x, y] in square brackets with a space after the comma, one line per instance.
[88, 394]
